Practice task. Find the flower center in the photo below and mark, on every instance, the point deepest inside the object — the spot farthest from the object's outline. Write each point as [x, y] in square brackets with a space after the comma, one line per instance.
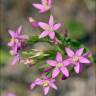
[45, 83]
[75, 58]
[59, 65]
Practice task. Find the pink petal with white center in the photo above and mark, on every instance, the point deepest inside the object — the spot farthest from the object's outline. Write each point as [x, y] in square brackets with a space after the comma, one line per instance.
[12, 33]
[53, 86]
[43, 25]
[79, 51]
[43, 34]
[59, 57]
[46, 90]
[55, 73]
[19, 29]
[52, 35]
[84, 60]
[57, 26]
[77, 68]
[51, 21]
[65, 71]
[69, 52]
[38, 6]
[51, 62]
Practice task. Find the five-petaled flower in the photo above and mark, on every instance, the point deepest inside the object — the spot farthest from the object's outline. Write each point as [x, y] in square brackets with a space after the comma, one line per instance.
[76, 58]
[59, 65]
[44, 6]
[49, 28]
[45, 82]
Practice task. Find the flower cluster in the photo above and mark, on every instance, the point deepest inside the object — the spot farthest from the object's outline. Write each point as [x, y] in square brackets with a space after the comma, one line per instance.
[16, 43]
[65, 57]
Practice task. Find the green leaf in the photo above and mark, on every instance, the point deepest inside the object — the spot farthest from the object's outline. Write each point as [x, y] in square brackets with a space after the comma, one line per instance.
[76, 29]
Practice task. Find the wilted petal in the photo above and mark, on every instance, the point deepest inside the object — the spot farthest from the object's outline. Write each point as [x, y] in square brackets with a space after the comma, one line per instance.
[65, 71]
[77, 68]
[55, 72]
[43, 34]
[69, 52]
[84, 60]
[43, 25]
[79, 51]
[52, 35]
[51, 62]
[59, 57]
[46, 90]
[51, 21]
[57, 26]
[53, 86]
[38, 6]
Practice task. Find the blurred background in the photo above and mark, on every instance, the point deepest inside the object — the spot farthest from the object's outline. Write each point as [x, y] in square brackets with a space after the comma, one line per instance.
[79, 16]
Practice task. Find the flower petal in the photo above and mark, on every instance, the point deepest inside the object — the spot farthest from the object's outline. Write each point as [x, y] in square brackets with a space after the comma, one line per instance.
[65, 71]
[23, 37]
[43, 25]
[57, 26]
[32, 85]
[50, 3]
[59, 57]
[79, 51]
[43, 34]
[38, 81]
[69, 52]
[19, 29]
[55, 72]
[12, 33]
[51, 21]
[53, 86]
[44, 2]
[67, 62]
[15, 60]
[46, 90]
[52, 35]
[51, 62]
[38, 6]
[77, 68]
[84, 60]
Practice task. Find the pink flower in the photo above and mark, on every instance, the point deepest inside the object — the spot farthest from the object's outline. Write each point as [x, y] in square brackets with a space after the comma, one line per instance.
[76, 58]
[16, 40]
[44, 6]
[59, 65]
[46, 83]
[49, 28]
